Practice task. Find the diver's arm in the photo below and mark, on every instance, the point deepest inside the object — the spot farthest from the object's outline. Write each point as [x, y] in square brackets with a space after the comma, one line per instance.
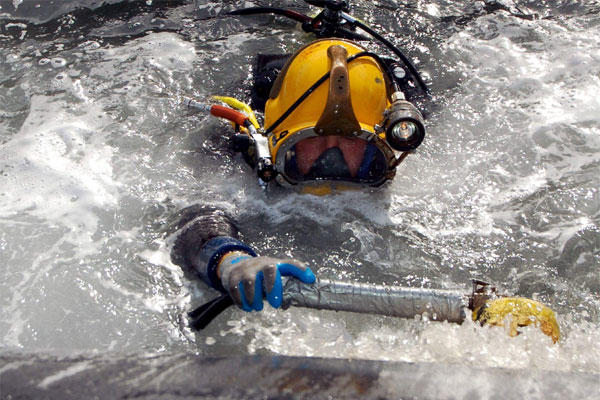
[207, 243]
[200, 234]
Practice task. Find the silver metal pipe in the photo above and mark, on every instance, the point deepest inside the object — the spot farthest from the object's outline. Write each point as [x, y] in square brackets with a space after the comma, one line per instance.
[394, 301]
[190, 103]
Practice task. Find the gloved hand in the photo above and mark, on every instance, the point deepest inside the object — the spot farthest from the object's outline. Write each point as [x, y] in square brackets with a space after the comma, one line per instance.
[249, 279]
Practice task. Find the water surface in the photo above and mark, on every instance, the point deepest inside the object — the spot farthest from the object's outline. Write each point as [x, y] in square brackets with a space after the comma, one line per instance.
[97, 154]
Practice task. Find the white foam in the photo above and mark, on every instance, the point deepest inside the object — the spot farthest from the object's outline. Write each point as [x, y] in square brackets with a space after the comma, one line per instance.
[72, 370]
[16, 25]
[165, 51]
[345, 335]
[433, 10]
[17, 3]
[232, 43]
[57, 167]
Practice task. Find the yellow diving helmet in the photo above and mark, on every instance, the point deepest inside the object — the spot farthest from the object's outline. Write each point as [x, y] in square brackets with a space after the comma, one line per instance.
[349, 130]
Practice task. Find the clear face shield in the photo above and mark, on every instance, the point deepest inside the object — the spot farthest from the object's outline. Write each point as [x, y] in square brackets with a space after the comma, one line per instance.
[334, 158]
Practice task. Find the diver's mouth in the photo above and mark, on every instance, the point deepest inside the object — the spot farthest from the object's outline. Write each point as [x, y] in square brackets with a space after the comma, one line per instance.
[337, 154]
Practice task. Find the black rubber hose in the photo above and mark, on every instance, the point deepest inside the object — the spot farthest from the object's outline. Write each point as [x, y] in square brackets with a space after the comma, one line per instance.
[304, 18]
[332, 5]
[297, 103]
[394, 50]
[296, 16]
[203, 315]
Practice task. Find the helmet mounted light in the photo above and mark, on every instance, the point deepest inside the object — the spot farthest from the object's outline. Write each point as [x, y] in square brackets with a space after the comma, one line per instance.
[403, 125]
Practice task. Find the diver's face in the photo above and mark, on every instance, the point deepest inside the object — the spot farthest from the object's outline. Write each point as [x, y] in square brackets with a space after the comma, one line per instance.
[333, 154]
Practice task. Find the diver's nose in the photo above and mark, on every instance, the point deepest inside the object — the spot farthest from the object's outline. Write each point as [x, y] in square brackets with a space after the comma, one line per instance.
[331, 141]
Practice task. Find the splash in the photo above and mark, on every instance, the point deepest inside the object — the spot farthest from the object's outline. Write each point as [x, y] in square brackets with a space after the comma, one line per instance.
[16, 4]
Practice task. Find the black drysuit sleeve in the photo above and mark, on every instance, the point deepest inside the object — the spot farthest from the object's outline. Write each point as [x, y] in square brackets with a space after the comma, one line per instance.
[201, 236]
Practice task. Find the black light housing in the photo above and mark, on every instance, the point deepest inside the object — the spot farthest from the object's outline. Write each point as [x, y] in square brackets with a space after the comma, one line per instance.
[404, 126]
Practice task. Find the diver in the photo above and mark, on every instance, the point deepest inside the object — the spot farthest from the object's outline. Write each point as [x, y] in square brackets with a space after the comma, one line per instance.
[335, 116]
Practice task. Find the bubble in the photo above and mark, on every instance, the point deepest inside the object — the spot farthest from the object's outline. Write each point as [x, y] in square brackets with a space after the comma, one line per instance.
[90, 45]
[58, 62]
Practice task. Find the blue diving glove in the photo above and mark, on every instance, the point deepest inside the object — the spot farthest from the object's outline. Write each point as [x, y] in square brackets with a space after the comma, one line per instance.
[249, 279]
